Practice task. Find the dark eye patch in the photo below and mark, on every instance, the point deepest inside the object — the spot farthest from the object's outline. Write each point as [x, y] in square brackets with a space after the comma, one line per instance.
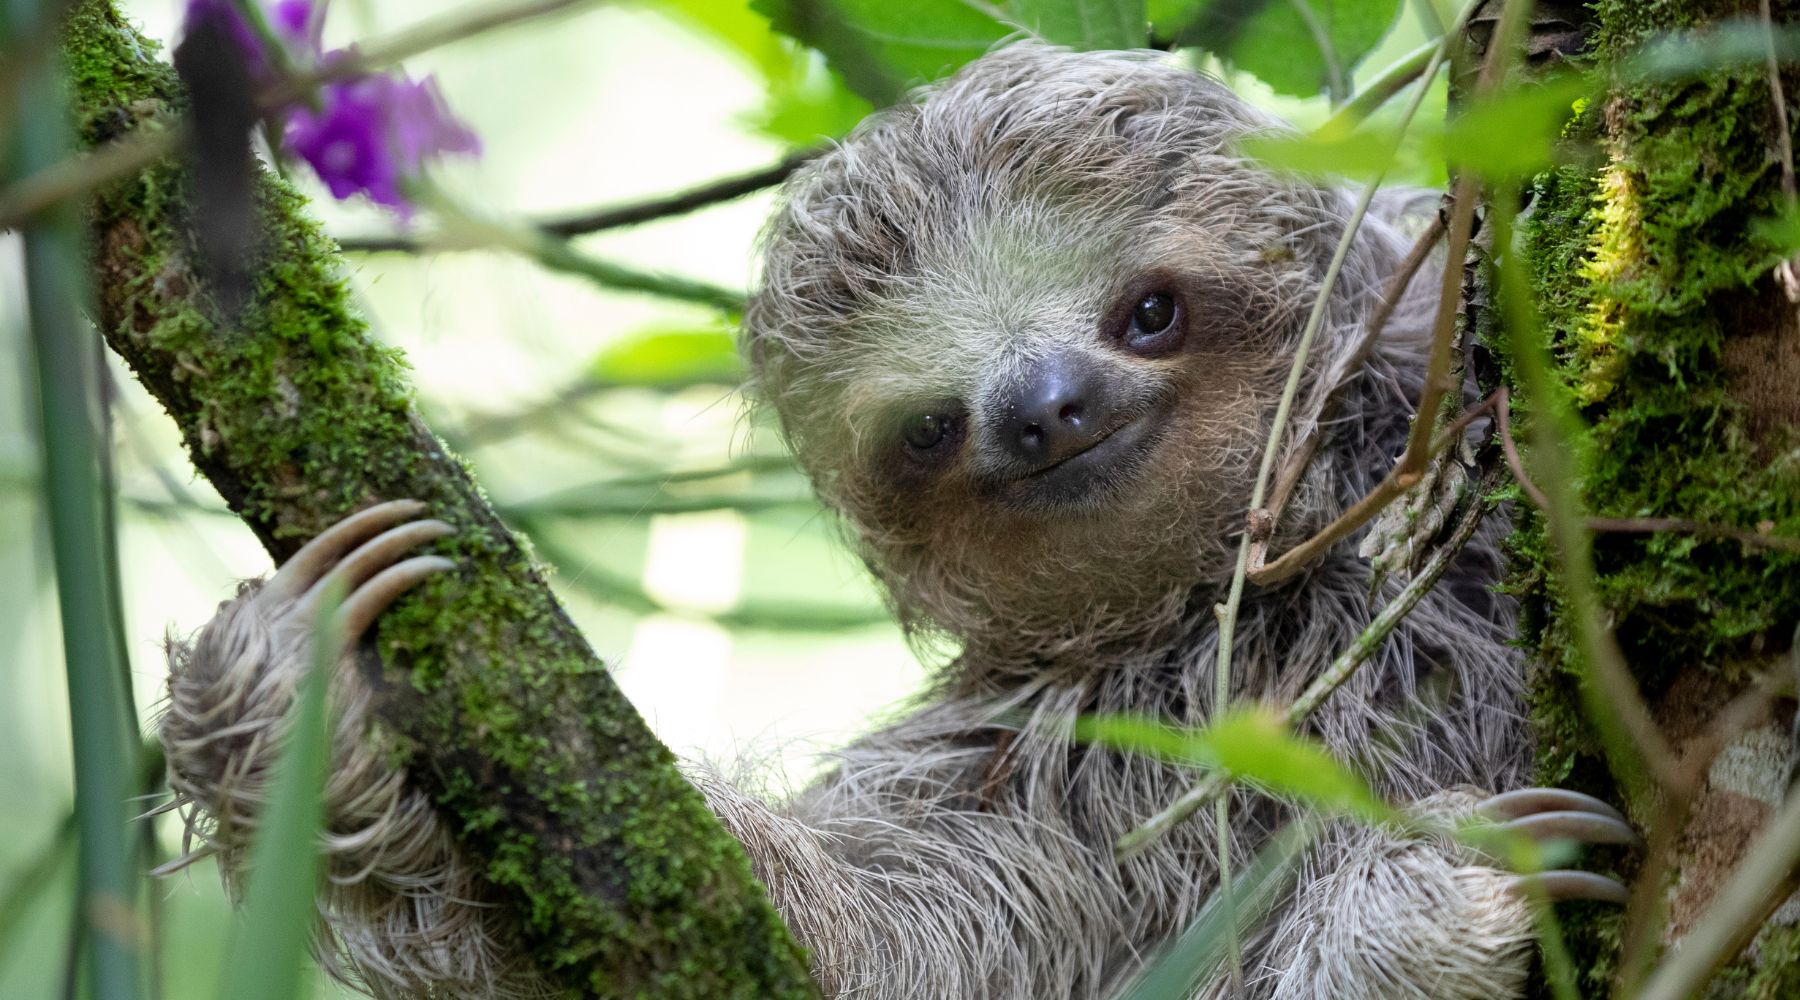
[1151, 318]
[931, 434]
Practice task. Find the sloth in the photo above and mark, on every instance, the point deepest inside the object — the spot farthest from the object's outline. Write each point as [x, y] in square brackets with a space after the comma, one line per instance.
[1026, 334]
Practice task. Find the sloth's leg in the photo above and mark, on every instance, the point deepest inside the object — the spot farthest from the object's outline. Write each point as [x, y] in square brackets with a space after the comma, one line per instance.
[1384, 916]
[407, 915]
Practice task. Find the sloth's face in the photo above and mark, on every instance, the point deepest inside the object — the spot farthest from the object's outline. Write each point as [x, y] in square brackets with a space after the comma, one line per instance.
[1047, 418]
[1026, 336]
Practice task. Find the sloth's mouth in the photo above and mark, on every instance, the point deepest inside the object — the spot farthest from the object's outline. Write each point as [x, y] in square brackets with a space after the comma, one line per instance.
[1092, 473]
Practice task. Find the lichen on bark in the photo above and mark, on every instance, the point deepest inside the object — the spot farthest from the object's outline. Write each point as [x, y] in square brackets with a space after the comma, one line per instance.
[623, 882]
[1653, 280]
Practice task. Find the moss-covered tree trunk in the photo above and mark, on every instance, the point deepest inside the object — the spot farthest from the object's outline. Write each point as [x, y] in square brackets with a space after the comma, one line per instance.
[623, 881]
[1676, 345]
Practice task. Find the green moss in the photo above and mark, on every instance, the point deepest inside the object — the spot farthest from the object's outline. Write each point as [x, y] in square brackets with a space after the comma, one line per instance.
[622, 879]
[1645, 268]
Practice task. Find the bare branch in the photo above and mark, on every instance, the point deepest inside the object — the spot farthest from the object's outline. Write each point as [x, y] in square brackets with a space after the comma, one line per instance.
[638, 213]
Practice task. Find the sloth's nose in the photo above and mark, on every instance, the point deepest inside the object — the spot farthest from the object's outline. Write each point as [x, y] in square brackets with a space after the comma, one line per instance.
[1057, 410]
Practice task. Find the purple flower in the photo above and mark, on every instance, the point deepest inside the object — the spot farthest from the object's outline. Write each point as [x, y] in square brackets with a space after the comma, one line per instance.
[365, 135]
[371, 133]
[299, 24]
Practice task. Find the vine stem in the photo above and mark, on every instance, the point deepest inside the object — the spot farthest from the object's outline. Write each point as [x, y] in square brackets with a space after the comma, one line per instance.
[650, 210]
[1760, 883]
[57, 182]
[1328, 681]
[1256, 516]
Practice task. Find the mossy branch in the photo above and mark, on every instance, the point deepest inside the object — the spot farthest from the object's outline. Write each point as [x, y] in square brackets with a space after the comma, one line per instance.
[624, 883]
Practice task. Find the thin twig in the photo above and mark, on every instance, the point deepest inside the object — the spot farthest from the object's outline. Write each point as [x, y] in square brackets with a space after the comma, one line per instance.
[1645, 912]
[1787, 273]
[1655, 525]
[409, 42]
[1256, 517]
[1329, 680]
[711, 193]
[1631, 525]
[1636, 748]
[1513, 462]
[1379, 91]
[650, 210]
[1391, 486]
[1760, 883]
[1443, 333]
[30, 196]
[1438, 383]
[559, 256]
[1296, 465]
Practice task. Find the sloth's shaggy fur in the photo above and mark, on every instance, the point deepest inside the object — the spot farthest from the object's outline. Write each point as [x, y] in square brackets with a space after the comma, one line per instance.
[966, 850]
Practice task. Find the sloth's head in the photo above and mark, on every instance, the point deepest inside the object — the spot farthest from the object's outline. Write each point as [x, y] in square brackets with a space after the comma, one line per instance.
[1026, 333]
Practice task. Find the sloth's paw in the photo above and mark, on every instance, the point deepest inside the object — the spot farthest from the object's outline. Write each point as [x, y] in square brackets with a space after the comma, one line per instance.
[231, 687]
[362, 554]
[1545, 815]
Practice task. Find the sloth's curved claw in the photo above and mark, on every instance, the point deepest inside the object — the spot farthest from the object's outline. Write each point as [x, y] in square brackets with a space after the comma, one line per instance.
[1562, 884]
[1526, 801]
[369, 600]
[1585, 827]
[371, 557]
[306, 566]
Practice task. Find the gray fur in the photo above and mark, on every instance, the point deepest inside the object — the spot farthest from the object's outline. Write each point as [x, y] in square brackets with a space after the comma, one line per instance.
[966, 851]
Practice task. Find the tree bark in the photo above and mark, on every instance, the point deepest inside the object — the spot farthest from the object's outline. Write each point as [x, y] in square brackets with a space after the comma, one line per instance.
[1674, 343]
[623, 881]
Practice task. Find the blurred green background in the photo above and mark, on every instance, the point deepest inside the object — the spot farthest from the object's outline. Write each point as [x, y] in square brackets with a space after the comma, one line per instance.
[742, 629]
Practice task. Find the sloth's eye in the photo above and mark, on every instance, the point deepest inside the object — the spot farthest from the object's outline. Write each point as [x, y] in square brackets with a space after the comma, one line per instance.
[1149, 323]
[1154, 314]
[926, 431]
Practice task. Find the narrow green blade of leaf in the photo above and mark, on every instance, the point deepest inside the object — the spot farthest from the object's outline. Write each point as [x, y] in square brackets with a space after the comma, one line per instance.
[662, 356]
[267, 955]
[1296, 52]
[66, 384]
[1122, 732]
[1230, 914]
[1085, 24]
[1256, 745]
[1251, 744]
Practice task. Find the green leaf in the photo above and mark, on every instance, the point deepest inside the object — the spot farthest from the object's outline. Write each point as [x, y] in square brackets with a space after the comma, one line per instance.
[662, 356]
[1085, 24]
[804, 101]
[1250, 744]
[267, 958]
[1256, 745]
[880, 47]
[1361, 155]
[1513, 134]
[1292, 52]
